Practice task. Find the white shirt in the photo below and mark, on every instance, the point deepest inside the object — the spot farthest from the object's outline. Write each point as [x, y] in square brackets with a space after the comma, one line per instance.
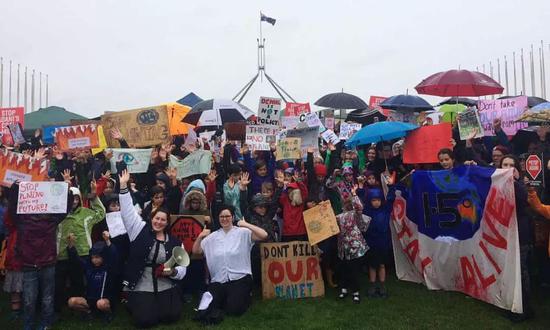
[228, 254]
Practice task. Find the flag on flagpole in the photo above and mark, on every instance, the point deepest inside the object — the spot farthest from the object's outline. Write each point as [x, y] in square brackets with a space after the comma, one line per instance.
[267, 19]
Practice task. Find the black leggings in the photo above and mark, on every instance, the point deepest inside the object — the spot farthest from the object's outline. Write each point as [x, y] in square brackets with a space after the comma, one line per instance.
[148, 309]
[232, 297]
[350, 272]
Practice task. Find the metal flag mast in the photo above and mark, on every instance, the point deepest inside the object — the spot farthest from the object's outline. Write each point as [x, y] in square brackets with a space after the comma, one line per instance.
[261, 73]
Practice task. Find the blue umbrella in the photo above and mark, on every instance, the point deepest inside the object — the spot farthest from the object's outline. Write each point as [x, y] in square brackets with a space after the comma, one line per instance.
[381, 131]
[406, 103]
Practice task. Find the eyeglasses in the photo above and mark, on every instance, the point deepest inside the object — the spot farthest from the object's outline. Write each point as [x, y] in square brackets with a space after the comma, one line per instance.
[225, 216]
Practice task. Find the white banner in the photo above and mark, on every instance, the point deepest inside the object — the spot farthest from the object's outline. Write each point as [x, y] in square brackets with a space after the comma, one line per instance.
[137, 160]
[197, 162]
[42, 197]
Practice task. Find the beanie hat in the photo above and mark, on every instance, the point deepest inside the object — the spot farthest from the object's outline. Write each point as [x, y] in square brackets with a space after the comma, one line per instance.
[98, 249]
[76, 191]
[164, 178]
[375, 194]
[320, 169]
[347, 170]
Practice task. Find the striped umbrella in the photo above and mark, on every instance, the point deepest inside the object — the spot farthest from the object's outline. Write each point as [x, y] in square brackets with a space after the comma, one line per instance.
[216, 112]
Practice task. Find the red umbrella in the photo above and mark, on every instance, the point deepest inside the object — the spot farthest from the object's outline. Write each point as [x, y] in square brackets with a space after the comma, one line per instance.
[459, 83]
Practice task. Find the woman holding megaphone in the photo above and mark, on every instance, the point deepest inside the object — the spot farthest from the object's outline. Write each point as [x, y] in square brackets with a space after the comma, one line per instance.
[155, 263]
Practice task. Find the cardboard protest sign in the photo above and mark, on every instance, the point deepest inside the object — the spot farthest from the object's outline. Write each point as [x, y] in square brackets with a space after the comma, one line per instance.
[197, 162]
[468, 123]
[269, 111]
[330, 137]
[312, 120]
[288, 148]
[291, 270]
[102, 141]
[260, 137]
[77, 137]
[48, 133]
[16, 133]
[296, 109]
[535, 170]
[290, 122]
[348, 129]
[42, 197]
[187, 228]
[508, 110]
[423, 144]
[309, 138]
[320, 223]
[374, 101]
[18, 167]
[329, 123]
[136, 160]
[10, 116]
[141, 127]
[457, 230]
[235, 131]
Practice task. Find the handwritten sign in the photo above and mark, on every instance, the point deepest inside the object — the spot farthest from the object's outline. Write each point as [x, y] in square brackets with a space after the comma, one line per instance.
[330, 137]
[197, 162]
[291, 270]
[269, 111]
[18, 167]
[259, 137]
[348, 129]
[320, 223]
[77, 137]
[423, 144]
[142, 127]
[508, 110]
[42, 197]
[468, 123]
[309, 138]
[10, 116]
[187, 228]
[296, 109]
[289, 148]
[136, 160]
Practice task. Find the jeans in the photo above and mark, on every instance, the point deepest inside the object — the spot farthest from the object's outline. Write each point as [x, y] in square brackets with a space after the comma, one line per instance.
[38, 281]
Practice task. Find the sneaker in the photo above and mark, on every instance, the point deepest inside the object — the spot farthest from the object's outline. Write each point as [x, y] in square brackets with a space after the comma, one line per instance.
[356, 298]
[343, 294]
[382, 292]
[371, 292]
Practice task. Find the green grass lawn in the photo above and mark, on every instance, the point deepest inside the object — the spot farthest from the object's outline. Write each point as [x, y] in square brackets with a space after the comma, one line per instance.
[410, 306]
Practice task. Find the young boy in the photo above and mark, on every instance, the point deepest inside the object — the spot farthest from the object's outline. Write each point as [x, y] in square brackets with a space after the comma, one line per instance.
[100, 275]
[378, 238]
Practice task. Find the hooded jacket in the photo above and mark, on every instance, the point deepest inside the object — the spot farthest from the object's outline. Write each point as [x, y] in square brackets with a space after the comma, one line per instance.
[293, 217]
[80, 223]
[186, 205]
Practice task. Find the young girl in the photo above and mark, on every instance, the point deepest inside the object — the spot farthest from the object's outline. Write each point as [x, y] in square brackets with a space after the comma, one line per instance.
[351, 245]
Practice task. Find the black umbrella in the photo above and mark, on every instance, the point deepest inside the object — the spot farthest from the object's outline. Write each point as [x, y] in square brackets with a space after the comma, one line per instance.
[462, 100]
[216, 112]
[341, 101]
[365, 116]
[531, 100]
[406, 103]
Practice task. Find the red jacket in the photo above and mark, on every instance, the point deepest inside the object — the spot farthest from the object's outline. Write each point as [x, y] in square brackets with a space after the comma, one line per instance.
[12, 263]
[293, 218]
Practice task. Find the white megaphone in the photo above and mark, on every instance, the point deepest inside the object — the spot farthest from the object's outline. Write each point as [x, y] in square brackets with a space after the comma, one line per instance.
[179, 257]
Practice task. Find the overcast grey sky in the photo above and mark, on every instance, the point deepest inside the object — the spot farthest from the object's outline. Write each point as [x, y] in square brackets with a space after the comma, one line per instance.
[115, 55]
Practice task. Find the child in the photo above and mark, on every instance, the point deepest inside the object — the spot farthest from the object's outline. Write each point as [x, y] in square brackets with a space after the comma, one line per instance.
[378, 237]
[13, 282]
[351, 245]
[100, 275]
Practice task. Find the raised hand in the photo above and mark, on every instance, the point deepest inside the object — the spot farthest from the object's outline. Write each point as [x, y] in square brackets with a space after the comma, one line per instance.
[212, 175]
[310, 150]
[106, 175]
[116, 133]
[205, 232]
[67, 176]
[93, 187]
[124, 177]
[245, 149]
[245, 180]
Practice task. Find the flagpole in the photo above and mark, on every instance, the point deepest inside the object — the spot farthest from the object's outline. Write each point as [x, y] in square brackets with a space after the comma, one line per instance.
[47, 89]
[26, 92]
[543, 69]
[541, 76]
[9, 89]
[522, 75]
[32, 90]
[532, 67]
[515, 80]
[18, 89]
[40, 90]
[506, 75]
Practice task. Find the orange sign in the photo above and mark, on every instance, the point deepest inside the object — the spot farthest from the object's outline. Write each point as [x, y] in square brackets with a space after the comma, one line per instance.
[18, 167]
[77, 137]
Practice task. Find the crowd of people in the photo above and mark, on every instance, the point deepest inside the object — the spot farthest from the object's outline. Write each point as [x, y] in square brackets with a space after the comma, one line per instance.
[74, 260]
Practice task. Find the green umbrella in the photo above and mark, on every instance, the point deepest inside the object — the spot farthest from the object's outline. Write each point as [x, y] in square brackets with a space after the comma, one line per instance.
[49, 116]
[450, 110]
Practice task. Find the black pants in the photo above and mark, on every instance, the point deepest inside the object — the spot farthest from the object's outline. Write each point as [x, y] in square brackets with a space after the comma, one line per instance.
[149, 308]
[290, 238]
[349, 274]
[195, 277]
[67, 270]
[232, 297]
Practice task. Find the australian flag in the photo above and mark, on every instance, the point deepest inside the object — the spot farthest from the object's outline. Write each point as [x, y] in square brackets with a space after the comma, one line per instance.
[267, 19]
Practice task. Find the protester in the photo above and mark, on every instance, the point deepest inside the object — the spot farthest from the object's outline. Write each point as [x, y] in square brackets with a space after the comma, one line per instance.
[292, 202]
[153, 296]
[227, 253]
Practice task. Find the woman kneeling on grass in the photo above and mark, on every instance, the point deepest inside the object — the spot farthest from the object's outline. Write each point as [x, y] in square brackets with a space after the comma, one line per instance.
[227, 252]
[154, 296]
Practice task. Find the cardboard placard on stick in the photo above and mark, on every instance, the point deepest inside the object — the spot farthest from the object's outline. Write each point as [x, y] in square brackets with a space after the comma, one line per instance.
[320, 222]
[42, 197]
[291, 270]
[289, 148]
[141, 127]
